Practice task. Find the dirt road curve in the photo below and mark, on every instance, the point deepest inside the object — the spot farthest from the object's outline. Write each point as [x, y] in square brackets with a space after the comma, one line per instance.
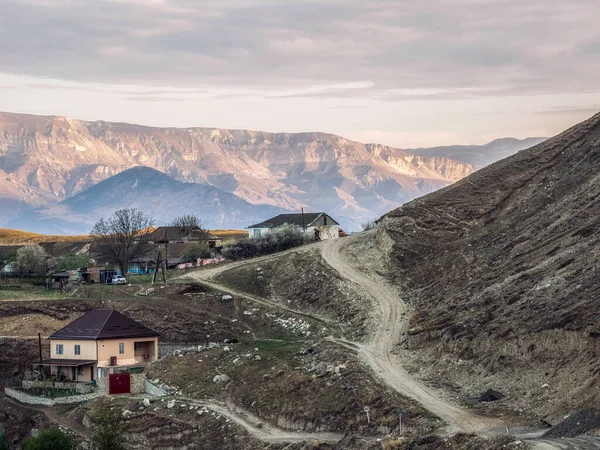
[582, 443]
[260, 429]
[378, 353]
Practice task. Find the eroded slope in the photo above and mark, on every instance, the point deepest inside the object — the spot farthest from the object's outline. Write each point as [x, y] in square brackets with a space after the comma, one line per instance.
[501, 269]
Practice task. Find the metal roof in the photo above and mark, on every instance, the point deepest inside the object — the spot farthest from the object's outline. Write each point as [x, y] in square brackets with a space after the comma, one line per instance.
[67, 362]
[162, 234]
[305, 219]
[100, 324]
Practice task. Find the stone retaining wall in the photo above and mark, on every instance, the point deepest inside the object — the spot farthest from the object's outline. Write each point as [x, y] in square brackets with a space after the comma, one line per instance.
[102, 385]
[138, 383]
[177, 349]
[80, 388]
[29, 399]
[156, 391]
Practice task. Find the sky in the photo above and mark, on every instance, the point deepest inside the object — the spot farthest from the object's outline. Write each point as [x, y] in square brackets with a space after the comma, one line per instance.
[405, 73]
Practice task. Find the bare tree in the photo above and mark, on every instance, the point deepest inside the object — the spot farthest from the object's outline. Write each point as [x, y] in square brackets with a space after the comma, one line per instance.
[186, 224]
[120, 239]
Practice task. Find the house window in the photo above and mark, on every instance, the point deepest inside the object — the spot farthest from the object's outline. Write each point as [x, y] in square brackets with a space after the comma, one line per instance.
[257, 233]
[77, 349]
[59, 349]
[137, 346]
[121, 348]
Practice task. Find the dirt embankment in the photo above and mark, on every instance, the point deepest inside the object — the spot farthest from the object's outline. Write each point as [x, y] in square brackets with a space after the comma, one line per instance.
[303, 281]
[501, 271]
[296, 385]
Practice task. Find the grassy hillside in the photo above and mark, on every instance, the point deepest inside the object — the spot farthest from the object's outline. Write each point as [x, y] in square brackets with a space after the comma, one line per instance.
[18, 237]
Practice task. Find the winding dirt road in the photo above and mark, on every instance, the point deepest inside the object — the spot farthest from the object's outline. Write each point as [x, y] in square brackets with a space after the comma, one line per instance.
[582, 443]
[379, 351]
[258, 428]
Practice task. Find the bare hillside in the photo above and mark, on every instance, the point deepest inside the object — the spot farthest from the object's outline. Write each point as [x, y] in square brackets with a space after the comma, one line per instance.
[501, 268]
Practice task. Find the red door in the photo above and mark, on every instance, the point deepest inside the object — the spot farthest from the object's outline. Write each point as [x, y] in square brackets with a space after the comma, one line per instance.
[119, 383]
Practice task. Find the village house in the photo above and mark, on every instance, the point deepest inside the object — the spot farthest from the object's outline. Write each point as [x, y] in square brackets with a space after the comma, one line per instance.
[319, 224]
[101, 340]
[173, 235]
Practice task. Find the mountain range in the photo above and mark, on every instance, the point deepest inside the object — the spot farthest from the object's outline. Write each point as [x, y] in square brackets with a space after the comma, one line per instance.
[51, 169]
[480, 155]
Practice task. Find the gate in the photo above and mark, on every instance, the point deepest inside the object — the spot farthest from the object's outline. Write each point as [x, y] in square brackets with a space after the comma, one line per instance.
[119, 383]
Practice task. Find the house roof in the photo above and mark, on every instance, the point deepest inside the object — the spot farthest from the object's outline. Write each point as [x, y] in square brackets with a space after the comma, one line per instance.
[162, 234]
[174, 252]
[60, 275]
[305, 219]
[68, 362]
[103, 324]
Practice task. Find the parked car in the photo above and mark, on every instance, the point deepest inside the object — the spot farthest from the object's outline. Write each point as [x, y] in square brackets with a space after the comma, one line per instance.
[118, 279]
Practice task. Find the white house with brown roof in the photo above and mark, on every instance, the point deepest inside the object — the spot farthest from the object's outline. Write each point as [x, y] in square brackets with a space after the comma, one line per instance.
[100, 339]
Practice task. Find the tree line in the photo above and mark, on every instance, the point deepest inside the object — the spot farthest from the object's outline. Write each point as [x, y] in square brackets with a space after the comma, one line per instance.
[117, 240]
[122, 239]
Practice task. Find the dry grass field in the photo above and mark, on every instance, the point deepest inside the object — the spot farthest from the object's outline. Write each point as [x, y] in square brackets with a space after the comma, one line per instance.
[19, 237]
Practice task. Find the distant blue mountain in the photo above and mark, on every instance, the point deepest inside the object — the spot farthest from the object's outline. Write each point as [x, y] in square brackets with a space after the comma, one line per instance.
[150, 191]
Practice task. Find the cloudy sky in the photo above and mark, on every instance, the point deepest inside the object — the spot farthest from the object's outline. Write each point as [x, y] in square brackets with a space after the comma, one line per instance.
[400, 72]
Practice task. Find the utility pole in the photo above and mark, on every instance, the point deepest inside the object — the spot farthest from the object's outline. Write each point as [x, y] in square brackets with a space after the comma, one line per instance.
[303, 224]
[156, 266]
[40, 345]
[400, 421]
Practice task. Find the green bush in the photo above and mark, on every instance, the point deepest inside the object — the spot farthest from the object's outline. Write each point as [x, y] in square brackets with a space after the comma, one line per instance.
[276, 240]
[110, 430]
[48, 440]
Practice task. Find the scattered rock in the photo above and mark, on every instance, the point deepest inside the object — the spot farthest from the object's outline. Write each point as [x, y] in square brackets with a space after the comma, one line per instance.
[491, 396]
[146, 402]
[226, 298]
[257, 358]
[171, 404]
[221, 378]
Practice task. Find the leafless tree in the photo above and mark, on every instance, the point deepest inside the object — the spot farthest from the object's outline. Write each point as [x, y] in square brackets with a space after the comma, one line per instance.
[186, 224]
[120, 239]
